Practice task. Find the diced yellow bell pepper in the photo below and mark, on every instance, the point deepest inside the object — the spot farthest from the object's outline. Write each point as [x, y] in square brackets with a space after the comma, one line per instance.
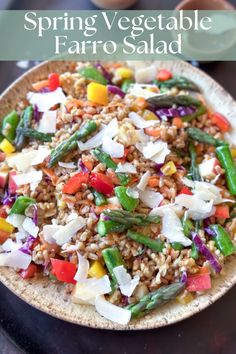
[233, 152]
[124, 73]
[97, 270]
[185, 298]
[169, 168]
[5, 226]
[97, 93]
[6, 147]
[149, 115]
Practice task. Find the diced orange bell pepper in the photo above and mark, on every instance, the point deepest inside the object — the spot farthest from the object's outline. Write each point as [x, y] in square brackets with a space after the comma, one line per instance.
[3, 236]
[222, 211]
[153, 132]
[164, 75]
[97, 93]
[153, 181]
[39, 85]
[178, 122]
[221, 121]
[139, 104]
[99, 209]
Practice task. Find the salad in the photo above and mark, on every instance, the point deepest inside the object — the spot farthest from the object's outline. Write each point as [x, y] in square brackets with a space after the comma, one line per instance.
[118, 182]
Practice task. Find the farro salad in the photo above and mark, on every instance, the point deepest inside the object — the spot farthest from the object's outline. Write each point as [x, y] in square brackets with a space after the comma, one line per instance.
[118, 182]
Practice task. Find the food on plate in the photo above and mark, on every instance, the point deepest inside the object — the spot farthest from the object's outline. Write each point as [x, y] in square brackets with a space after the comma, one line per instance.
[118, 182]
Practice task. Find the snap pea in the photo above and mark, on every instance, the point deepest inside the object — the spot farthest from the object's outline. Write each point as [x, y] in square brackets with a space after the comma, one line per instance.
[100, 198]
[223, 240]
[227, 162]
[105, 227]
[177, 246]
[9, 125]
[21, 204]
[126, 85]
[112, 259]
[91, 73]
[156, 245]
[127, 202]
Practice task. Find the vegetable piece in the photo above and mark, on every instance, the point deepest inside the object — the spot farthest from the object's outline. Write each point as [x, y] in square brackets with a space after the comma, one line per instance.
[100, 199]
[182, 83]
[6, 147]
[100, 209]
[9, 125]
[105, 227]
[177, 121]
[128, 203]
[154, 299]
[35, 135]
[149, 115]
[25, 121]
[112, 259]
[71, 143]
[126, 85]
[222, 211]
[124, 73]
[116, 90]
[223, 240]
[3, 178]
[169, 100]
[156, 245]
[112, 312]
[21, 204]
[140, 104]
[177, 246]
[109, 163]
[185, 298]
[91, 73]
[198, 135]
[40, 85]
[153, 132]
[206, 252]
[185, 190]
[29, 272]
[3, 236]
[169, 169]
[221, 121]
[75, 183]
[101, 183]
[187, 226]
[53, 81]
[198, 282]
[64, 271]
[130, 219]
[5, 226]
[227, 162]
[97, 270]
[189, 117]
[97, 93]
[164, 75]
[194, 167]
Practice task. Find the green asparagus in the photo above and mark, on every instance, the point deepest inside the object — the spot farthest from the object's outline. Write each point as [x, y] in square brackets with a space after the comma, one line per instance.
[126, 85]
[227, 162]
[200, 111]
[168, 101]
[71, 143]
[25, 121]
[198, 135]
[156, 245]
[99, 198]
[35, 135]
[154, 299]
[194, 170]
[105, 227]
[130, 219]
[181, 82]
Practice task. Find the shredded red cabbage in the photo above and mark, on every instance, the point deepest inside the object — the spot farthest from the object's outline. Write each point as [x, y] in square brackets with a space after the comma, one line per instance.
[8, 199]
[116, 90]
[184, 277]
[206, 252]
[44, 89]
[83, 167]
[35, 216]
[36, 113]
[158, 167]
[181, 111]
[27, 246]
[209, 231]
[104, 72]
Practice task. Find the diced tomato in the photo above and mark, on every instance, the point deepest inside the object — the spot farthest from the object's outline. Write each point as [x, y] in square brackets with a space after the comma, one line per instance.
[199, 282]
[53, 81]
[12, 186]
[222, 211]
[164, 75]
[3, 212]
[185, 190]
[29, 272]
[74, 184]
[63, 270]
[101, 183]
[3, 236]
[221, 121]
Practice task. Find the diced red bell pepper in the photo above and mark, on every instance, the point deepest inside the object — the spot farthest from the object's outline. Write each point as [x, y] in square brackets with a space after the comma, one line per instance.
[3, 212]
[29, 272]
[101, 183]
[53, 81]
[74, 184]
[164, 75]
[221, 121]
[222, 211]
[12, 186]
[3, 236]
[199, 282]
[63, 270]
[185, 190]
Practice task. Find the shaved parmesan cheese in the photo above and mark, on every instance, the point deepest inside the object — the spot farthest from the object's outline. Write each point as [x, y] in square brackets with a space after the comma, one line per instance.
[41, 155]
[156, 152]
[47, 123]
[28, 177]
[22, 161]
[112, 312]
[126, 168]
[49, 231]
[83, 268]
[126, 283]
[47, 100]
[9, 245]
[30, 227]
[114, 201]
[110, 130]
[172, 228]
[161, 209]
[151, 198]
[67, 164]
[144, 181]
[198, 209]
[68, 231]
[112, 148]
[207, 168]
[15, 259]
[141, 123]
[21, 235]
[132, 192]
[16, 220]
[146, 74]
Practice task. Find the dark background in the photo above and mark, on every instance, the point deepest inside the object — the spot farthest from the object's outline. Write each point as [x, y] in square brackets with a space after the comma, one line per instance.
[24, 329]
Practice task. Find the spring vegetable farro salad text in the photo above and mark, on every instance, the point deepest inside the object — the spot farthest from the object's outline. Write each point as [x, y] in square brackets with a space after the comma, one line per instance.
[118, 182]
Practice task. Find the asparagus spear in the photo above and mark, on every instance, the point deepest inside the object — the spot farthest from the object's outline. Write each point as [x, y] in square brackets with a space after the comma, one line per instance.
[71, 143]
[109, 163]
[100, 198]
[154, 299]
[201, 110]
[194, 170]
[227, 162]
[181, 82]
[105, 227]
[155, 245]
[202, 137]
[168, 101]
[34, 134]
[130, 219]
[24, 123]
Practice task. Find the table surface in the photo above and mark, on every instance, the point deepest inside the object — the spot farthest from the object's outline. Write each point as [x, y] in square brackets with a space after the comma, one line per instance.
[24, 329]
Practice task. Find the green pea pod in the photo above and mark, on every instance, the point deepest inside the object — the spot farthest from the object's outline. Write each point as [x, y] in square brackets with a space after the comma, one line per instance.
[227, 162]
[177, 246]
[21, 204]
[223, 240]
[156, 245]
[9, 125]
[91, 73]
[126, 85]
[105, 227]
[112, 259]
[127, 202]
[100, 199]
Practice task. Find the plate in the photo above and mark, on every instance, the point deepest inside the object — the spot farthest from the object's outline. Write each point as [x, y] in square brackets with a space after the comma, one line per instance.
[49, 297]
